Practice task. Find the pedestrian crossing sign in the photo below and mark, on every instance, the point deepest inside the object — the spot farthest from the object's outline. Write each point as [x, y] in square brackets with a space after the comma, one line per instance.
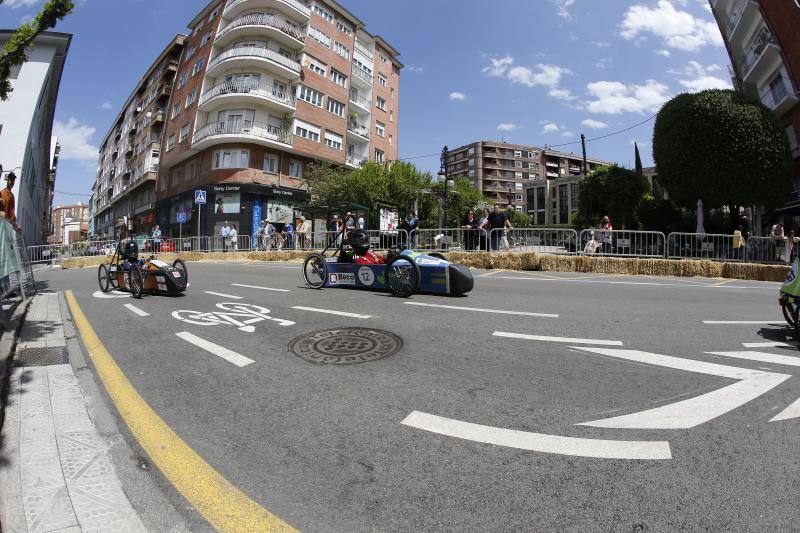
[200, 197]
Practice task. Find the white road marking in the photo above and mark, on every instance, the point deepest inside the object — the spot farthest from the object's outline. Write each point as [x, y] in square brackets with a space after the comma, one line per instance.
[793, 411]
[230, 356]
[259, 288]
[110, 294]
[745, 322]
[768, 344]
[540, 442]
[330, 312]
[651, 283]
[223, 295]
[136, 310]
[694, 411]
[545, 338]
[479, 310]
[762, 357]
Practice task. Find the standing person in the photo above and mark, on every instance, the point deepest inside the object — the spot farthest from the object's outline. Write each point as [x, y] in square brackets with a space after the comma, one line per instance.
[483, 228]
[498, 221]
[470, 226]
[607, 231]
[260, 235]
[333, 230]
[777, 239]
[270, 232]
[413, 229]
[738, 243]
[288, 235]
[233, 239]
[157, 239]
[7, 196]
[790, 242]
[225, 233]
[302, 232]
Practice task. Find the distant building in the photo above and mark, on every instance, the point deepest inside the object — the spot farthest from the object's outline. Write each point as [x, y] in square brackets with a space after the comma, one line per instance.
[539, 181]
[70, 223]
[26, 124]
[55, 152]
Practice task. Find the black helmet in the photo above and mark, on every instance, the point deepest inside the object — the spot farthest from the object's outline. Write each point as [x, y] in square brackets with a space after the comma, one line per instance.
[359, 241]
[131, 250]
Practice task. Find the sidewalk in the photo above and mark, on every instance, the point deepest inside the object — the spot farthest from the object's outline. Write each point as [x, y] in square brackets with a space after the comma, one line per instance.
[55, 469]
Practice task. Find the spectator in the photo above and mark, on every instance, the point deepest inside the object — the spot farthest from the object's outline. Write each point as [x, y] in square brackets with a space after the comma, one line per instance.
[260, 234]
[470, 226]
[302, 232]
[607, 232]
[483, 228]
[157, 239]
[225, 233]
[233, 239]
[288, 235]
[270, 232]
[738, 243]
[413, 229]
[777, 240]
[349, 222]
[498, 221]
[790, 242]
[7, 196]
[333, 230]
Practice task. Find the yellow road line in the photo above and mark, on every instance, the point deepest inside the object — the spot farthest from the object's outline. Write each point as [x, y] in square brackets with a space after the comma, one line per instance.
[491, 273]
[723, 282]
[223, 505]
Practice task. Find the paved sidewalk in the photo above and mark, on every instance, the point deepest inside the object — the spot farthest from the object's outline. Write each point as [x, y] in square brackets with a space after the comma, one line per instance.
[55, 470]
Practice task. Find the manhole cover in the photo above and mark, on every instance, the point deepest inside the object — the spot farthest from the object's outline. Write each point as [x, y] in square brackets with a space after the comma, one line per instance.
[41, 357]
[345, 346]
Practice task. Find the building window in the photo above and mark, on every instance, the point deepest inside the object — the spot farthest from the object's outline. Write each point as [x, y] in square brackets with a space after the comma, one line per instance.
[213, 15]
[391, 140]
[184, 132]
[531, 155]
[206, 38]
[320, 36]
[271, 164]
[518, 175]
[190, 172]
[176, 177]
[306, 130]
[190, 52]
[338, 78]
[391, 116]
[344, 28]
[337, 108]
[384, 59]
[231, 159]
[517, 153]
[198, 66]
[315, 65]
[378, 156]
[183, 79]
[342, 50]
[192, 96]
[170, 142]
[333, 140]
[382, 80]
[380, 103]
[517, 164]
[323, 13]
[471, 162]
[391, 93]
[295, 169]
[533, 166]
[309, 95]
[471, 173]
[380, 129]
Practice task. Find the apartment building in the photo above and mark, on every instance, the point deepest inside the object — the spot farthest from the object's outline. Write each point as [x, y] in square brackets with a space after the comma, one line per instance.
[763, 43]
[264, 88]
[131, 150]
[539, 181]
[70, 223]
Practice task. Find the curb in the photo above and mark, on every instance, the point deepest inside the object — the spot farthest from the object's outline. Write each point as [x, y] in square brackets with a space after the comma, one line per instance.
[8, 343]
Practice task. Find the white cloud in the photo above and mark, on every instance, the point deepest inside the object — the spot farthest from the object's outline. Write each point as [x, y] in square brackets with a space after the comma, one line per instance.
[603, 63]
[75, 139]
[562, 94]
[542, 75]
[594, 124]
[106, 105]
[696, 77]
[412, 68]
[663, 52]
[678, 29]
[600, 44]
[457, 96]
[567, 134]
[499, 66]
[562, 8]
[613, 97]
[551, 127]
[508, 126]
[14, 4]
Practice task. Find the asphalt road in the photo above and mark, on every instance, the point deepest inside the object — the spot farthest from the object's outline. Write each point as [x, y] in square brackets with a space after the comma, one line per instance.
[324, 447]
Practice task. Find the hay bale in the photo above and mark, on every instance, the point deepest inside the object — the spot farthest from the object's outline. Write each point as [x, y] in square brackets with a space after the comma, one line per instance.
[559, 263]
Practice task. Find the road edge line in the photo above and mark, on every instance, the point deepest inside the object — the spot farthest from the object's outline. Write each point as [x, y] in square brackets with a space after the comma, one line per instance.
[224, 506]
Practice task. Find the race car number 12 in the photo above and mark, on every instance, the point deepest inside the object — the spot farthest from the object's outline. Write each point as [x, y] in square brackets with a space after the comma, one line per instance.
[366, 276]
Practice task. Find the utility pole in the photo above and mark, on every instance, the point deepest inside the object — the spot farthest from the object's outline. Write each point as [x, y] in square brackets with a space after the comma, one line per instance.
[583, 145]
[443, 172]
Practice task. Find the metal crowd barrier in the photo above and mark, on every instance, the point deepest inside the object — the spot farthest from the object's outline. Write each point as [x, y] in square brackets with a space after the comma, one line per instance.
[16, 271]
[450, 240]
[558, 241]
[768, 250]
[712, 246]
[623, 243]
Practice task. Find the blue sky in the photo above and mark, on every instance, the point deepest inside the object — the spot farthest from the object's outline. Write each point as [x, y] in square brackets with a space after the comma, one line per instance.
[528, 71]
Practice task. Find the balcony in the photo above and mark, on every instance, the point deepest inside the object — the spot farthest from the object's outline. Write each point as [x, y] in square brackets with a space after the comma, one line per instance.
[779, 97]
[356, 162]
[158, 116]
[279, 30]
[241, 131]
[552, 174]
[254, 56]
[760, 55]
[551, 164]
[361, 102]
[358, 129]
[365, 51]
[744, 13]
[292, 8]
[233, 93]
[362, 74]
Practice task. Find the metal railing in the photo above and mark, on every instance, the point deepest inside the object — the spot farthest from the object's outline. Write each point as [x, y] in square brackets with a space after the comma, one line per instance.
[363, 49]
[261, 52]
[263, 19]
[775, 94]
[556, 241]
[259, 89]
[763, 39]
[736, 15]
[623, 243]
[357, 161]
[360, 100]
[362, 73]
[358, 129]
[305, 10]
[713, 246]
[768, 250]
[450, 240]
[243, 127]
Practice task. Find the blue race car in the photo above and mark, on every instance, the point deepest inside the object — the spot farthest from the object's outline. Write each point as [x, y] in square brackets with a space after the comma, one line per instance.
[403, 273]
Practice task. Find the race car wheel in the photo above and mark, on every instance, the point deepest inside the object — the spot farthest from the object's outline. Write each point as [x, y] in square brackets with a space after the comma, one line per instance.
[315, 271]
[135, 281]
[789, 312]
[181, 266]
[104, 278]
[796, 325]
[402, 276]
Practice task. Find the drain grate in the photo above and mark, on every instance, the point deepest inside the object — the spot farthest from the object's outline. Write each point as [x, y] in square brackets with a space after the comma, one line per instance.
[345, 346]
[41, 357]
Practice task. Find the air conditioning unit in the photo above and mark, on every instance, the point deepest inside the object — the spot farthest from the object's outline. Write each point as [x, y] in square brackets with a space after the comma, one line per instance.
[306, 62]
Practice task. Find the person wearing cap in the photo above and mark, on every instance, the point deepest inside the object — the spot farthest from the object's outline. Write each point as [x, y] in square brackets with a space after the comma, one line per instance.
[7, 196]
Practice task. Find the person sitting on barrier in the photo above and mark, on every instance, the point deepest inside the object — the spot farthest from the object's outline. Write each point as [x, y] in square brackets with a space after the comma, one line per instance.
[358, 239]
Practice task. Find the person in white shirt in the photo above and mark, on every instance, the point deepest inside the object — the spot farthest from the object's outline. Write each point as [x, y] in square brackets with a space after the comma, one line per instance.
[232, 239]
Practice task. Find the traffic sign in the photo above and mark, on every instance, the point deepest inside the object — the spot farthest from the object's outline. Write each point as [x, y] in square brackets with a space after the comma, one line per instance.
[181, 216]
[200, 197]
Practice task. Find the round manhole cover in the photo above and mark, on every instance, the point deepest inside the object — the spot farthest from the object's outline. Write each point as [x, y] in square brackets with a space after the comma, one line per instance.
[345, 346]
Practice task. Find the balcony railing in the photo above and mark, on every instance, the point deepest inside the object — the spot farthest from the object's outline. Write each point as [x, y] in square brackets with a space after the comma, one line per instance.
[357, 161]
[243, 127]
[736, 14]
[760, 43]
[292, 3]
[261, 52]
[775, 94]
[262, 90]
[362, 73]
[262, 19]
[363, 49]
[358, 129]
[360, 100]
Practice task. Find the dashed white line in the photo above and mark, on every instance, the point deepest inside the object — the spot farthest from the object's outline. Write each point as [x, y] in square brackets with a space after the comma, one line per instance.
[480, 310]
[744, 322]
[645, 283]
[545, 338]
[220, 351]
[330, 312]
[762, 357]
[768, 344]
[136, 310]
[793, 411]
[259, 288]
[540, 442]
[223, 295]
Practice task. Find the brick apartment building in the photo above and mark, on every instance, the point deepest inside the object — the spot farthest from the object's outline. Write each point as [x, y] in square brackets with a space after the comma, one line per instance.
[763, 41]
[539, 181]
[131, 150]
[70, 223]
[263, 88]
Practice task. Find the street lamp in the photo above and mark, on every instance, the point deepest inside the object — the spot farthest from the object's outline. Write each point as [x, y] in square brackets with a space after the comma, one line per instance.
[443, 172]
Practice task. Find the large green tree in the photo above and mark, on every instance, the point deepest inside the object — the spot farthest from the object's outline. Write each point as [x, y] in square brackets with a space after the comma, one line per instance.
[461, 197]
[614, 191]
[724, 148]
[14, 50]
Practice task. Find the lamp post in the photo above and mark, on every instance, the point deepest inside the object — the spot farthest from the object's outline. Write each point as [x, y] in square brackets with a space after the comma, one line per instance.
[443, 172]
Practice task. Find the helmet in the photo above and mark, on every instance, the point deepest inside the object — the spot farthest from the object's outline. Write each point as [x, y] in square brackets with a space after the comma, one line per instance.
[359, 241]
[131, 250]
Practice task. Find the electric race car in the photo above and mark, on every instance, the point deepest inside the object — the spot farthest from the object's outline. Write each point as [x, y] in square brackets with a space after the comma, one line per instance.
[402, 272]
[789, 298]
[127, 272]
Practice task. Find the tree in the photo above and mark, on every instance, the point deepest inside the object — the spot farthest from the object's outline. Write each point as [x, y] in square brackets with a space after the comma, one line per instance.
[724, 148]
[461, 197]
[614, 191]
[13, 53]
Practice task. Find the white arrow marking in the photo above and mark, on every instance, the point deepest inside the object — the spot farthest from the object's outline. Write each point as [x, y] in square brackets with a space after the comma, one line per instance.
[693, 411]
[483, 310]
[544, 338]
[768, 344]
[745, 322]
[539, 442]
[762, 357]
[793, 411]
[111, 294]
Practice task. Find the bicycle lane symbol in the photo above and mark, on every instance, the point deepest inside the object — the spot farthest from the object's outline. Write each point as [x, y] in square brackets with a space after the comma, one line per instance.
[233, 314]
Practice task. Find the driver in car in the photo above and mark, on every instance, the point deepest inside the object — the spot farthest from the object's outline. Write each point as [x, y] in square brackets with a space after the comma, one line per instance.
[359, 241]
